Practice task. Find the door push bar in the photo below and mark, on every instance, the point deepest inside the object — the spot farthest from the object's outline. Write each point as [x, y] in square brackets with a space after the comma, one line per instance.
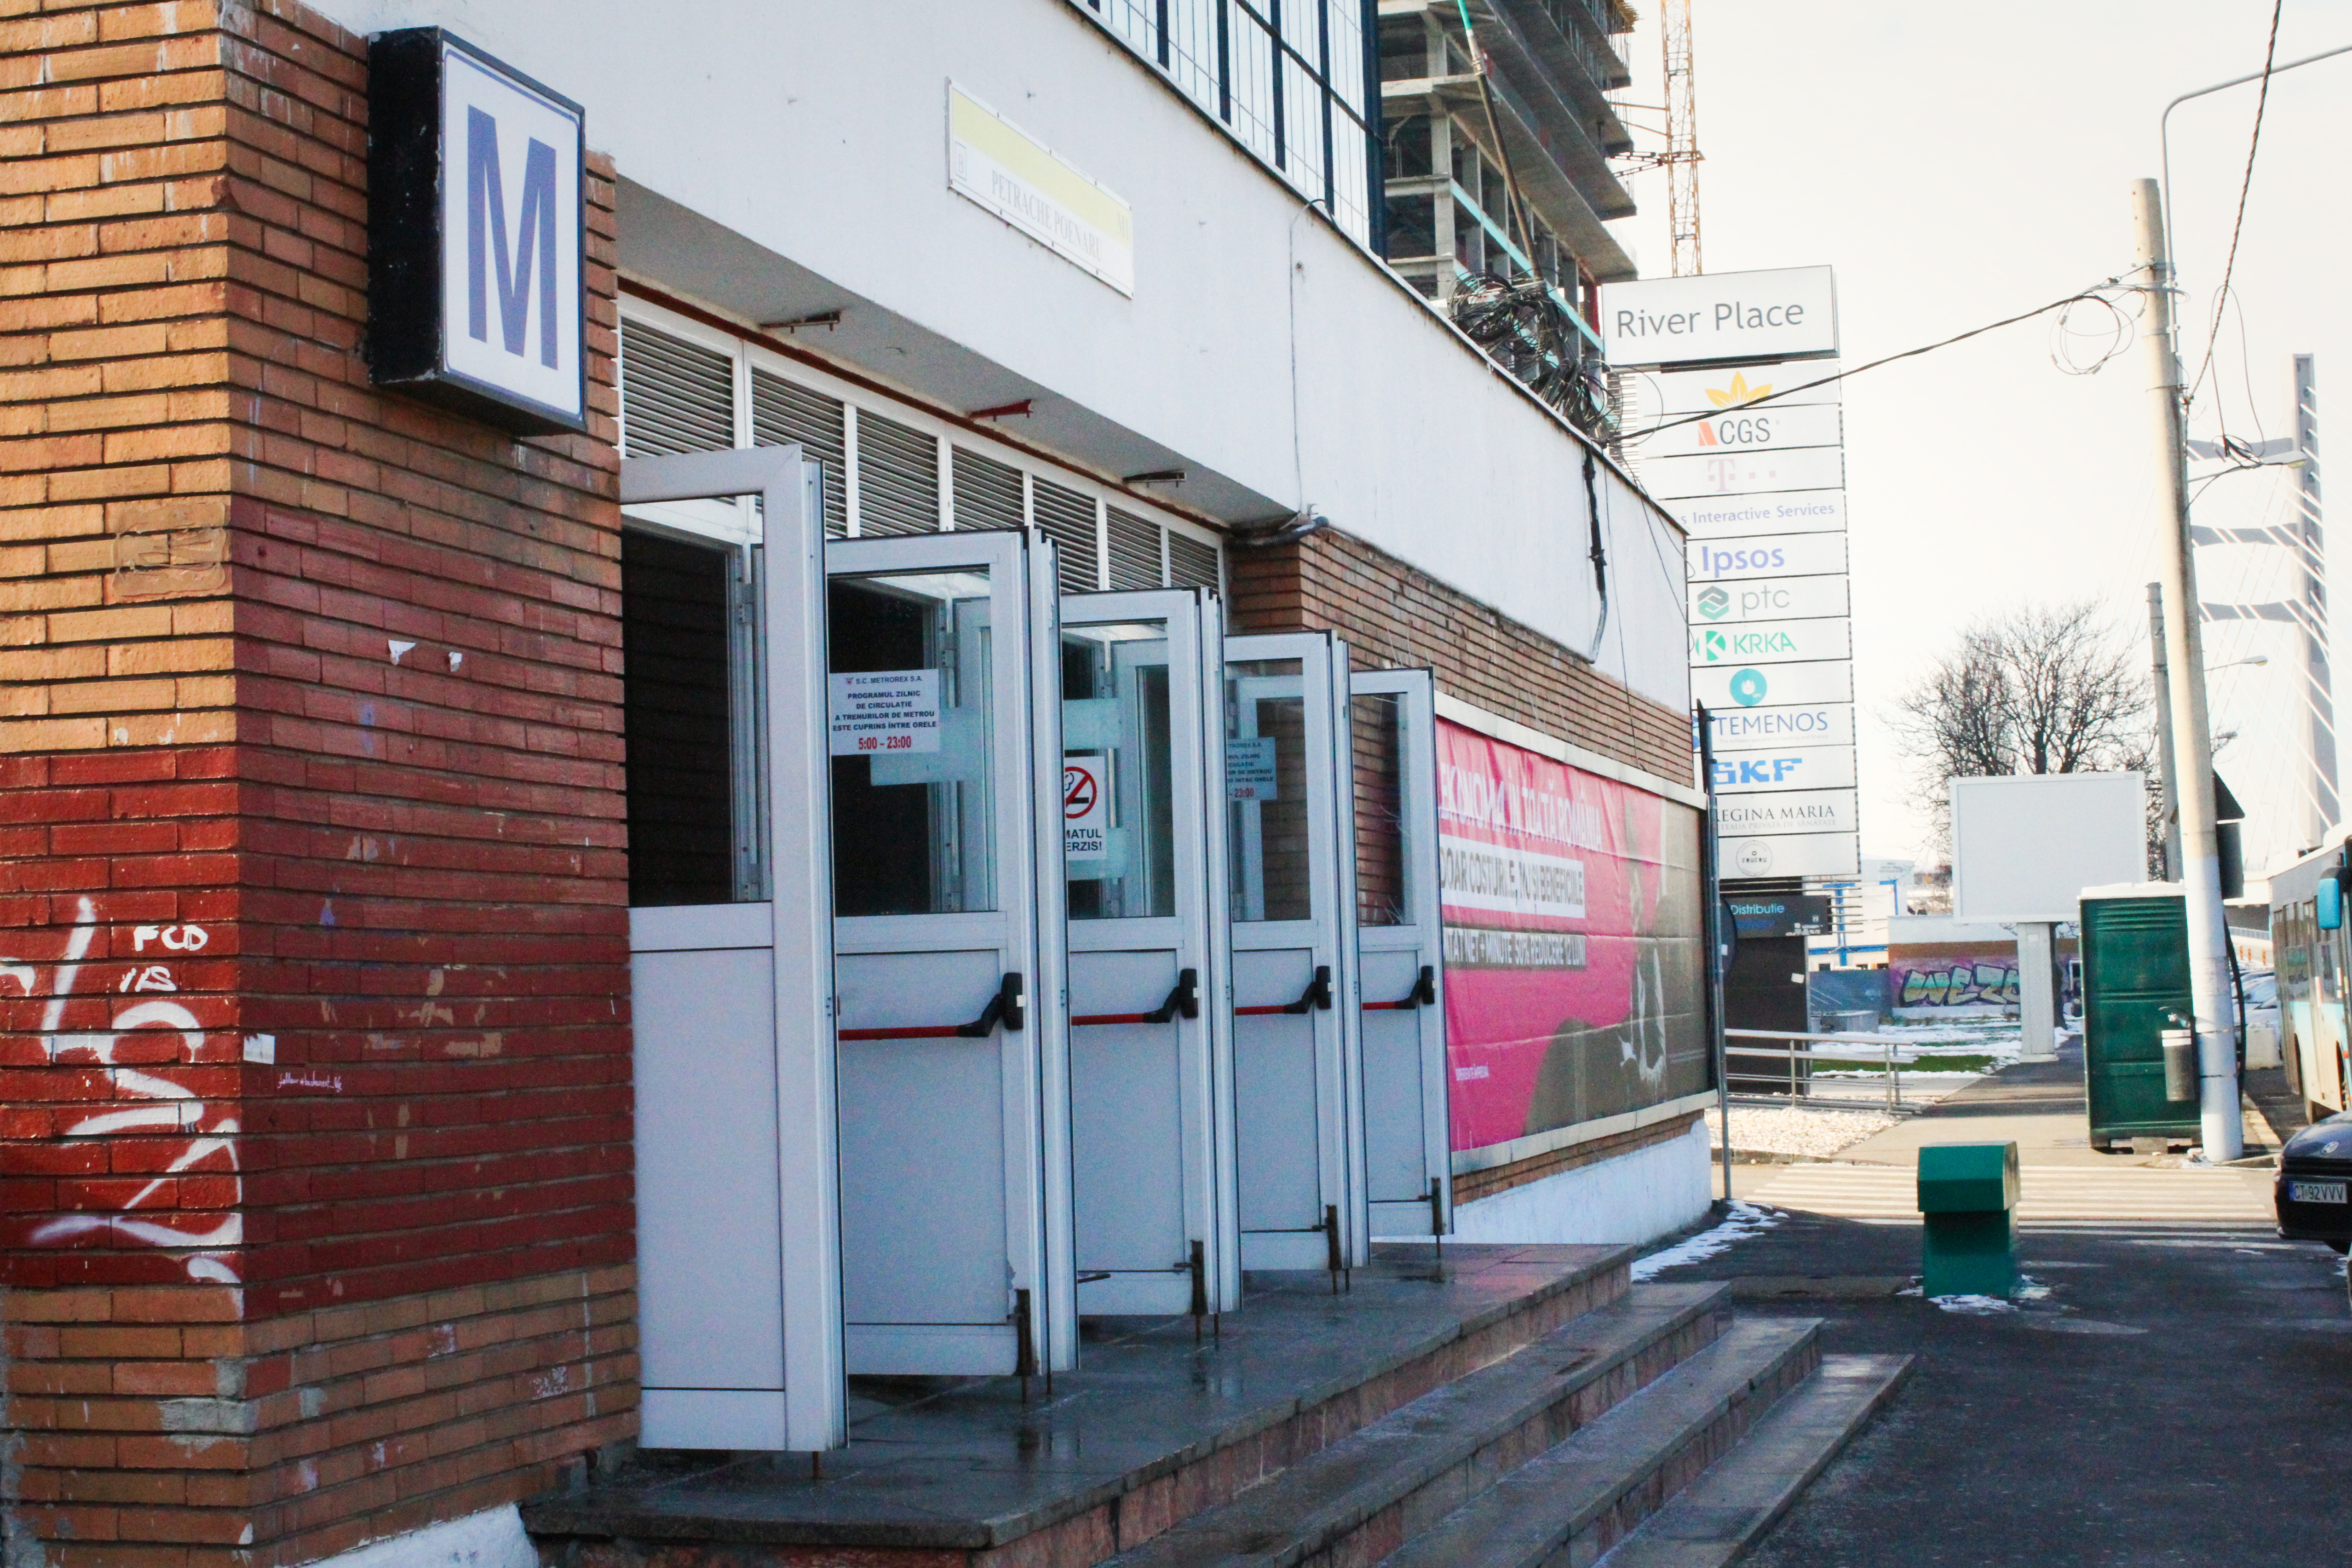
[1004, 1007]
[1423, 995]
[1317, 995]
[1184, 1000]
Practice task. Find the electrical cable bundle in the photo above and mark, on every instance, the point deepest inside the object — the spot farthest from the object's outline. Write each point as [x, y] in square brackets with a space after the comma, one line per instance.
[1523, 327]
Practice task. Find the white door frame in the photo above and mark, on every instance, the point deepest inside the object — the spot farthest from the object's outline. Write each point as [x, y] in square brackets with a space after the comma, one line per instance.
[1419, 993]
[1330, 934]
[1197, 933]
[1026, 924]
[809, 1411]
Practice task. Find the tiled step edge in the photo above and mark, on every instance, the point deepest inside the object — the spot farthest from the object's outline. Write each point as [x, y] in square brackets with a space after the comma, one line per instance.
[1416, 1464]
[1720, 1515]
[1565, 1508]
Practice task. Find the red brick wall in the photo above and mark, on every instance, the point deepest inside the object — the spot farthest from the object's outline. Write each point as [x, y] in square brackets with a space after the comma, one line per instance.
[1395, 616]
[261, 1310]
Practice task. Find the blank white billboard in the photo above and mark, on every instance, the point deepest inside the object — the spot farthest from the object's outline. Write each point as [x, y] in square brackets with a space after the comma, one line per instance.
[2024, 847]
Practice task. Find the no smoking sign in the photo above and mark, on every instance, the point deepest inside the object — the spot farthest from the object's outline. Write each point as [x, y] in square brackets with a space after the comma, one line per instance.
[1086, 805]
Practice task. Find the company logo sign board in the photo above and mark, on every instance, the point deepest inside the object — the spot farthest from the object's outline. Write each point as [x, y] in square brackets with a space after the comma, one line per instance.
[1798, 554]
[1767, 598]
[1786, 313]
[1729, 686]
[1745, 473]
[1787, 512]
[1787, 768]
[477, 224]
[1770, 427]
[1787, 811]
[1780, 728]
[1012, 176]
[1807, 855]
[1771, 642]
[1666, 393]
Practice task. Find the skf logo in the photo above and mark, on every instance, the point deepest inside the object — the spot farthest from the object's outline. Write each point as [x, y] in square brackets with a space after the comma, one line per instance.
[1714, 603]
[1729, 771]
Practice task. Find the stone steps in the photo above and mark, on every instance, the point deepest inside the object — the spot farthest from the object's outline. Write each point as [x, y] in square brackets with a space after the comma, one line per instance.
[1385, 1482]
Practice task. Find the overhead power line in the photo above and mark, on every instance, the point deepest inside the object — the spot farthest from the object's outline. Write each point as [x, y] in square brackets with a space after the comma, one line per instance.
[2245, 188]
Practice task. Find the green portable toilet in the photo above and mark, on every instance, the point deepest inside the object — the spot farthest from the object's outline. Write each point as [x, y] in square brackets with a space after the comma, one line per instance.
[2135, 982]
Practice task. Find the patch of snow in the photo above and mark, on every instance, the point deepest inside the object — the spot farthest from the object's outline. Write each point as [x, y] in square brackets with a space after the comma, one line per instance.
[1744, 1220]
[1974, 1306]
[1795, 1129]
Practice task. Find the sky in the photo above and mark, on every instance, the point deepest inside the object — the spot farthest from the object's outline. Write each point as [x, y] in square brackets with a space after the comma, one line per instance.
[1956, 165]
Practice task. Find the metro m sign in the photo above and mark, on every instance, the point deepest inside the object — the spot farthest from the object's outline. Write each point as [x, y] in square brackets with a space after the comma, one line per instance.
[476, 234]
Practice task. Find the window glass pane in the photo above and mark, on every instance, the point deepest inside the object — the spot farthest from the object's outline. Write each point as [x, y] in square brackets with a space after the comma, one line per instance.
[913, 820]
[1266, 781]
[1117, 809]
[1379, 744]
[681, 796]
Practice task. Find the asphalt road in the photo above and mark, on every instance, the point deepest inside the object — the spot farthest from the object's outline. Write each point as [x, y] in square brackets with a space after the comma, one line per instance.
[2183, 1394]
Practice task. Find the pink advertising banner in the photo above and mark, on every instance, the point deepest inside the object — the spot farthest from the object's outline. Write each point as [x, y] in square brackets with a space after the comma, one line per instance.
[1572, 942]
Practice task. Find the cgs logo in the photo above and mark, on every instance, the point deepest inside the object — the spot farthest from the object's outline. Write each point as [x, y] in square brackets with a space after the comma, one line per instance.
[1759, 770]
[1749, 430]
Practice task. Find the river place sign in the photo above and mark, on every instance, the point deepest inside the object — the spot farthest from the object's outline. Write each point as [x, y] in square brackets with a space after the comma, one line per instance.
[477, 234]
[1728, 318]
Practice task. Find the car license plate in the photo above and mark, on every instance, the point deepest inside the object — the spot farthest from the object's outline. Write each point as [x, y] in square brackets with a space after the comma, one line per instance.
[2315, 1191]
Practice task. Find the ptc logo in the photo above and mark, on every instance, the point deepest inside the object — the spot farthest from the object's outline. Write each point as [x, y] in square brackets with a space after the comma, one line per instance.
[1747, 687]
[1714, 603]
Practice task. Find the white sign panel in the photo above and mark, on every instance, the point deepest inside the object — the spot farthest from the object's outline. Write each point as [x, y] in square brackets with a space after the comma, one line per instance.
[1791, 811]
[1767, 598]
[1794, 768]
[1746, 473]
[1085, 807]
[1771, 642]
[2024, 848]
[1019, 179]
[1770, 427]
[885, 713]
[1765, 729]
[1786, 512]
[1249, 769]
[1797, 555]
[1755, 685]
[510, 232]
[1666, 393]
[1499, 879]
[1788, 314]
[1795, 855]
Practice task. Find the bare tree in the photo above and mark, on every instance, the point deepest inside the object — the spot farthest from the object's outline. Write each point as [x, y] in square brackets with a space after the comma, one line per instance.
[2039, 689]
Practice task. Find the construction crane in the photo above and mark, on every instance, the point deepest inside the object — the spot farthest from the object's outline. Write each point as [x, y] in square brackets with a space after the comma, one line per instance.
[1682, 155]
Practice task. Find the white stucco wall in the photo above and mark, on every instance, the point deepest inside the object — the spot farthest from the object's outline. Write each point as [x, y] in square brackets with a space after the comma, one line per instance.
[1635, 1198]
[816, 132]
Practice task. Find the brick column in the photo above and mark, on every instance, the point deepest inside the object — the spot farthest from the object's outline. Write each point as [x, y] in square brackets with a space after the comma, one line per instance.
[314, 1071]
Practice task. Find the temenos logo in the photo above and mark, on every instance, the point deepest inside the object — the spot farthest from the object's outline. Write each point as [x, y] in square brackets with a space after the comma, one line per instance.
[1714, 603]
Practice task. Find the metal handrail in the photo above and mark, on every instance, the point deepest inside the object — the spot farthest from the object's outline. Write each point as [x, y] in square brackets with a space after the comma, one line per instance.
[1893, 1068]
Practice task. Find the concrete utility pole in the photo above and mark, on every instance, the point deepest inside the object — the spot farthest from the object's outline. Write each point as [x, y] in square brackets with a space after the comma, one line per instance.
[2200, 863]
[2312, 547]
[2166, 772]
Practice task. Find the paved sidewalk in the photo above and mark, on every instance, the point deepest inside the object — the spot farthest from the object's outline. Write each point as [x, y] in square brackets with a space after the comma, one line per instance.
[2182, 1394]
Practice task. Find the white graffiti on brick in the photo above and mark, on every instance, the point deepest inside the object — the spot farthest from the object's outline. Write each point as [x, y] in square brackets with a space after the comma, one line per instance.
[156, 1104]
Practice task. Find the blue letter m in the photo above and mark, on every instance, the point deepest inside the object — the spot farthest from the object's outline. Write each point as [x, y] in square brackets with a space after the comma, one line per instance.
[486, 221]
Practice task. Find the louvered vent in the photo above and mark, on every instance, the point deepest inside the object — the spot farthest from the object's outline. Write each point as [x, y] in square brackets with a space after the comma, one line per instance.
[1134, 551]
[1193, 563]
[676, 396]
[987, 493]
[898, 478]
[1068, 519]
[782, 413]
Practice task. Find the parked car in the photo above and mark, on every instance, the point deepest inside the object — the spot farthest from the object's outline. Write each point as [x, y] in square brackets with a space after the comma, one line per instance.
[2313, 1192]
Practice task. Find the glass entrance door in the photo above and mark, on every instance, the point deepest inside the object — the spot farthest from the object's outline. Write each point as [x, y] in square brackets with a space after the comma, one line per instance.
[1400, 951]
[1298, 1104]
[948, 894]
[1150, 1064]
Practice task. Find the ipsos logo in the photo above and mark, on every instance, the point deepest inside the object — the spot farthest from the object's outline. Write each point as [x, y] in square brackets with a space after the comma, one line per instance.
[1760, 770]
[1714, 562]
